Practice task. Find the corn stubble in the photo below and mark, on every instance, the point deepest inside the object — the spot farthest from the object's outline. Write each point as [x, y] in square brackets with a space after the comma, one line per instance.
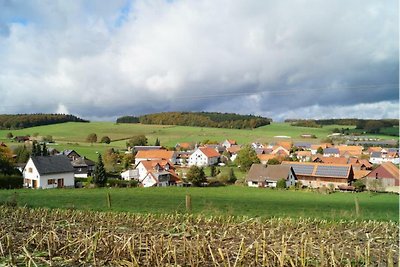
[41, 237]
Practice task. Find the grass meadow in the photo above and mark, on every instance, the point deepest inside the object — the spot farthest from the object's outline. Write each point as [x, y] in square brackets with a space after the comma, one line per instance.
[72, 135]
[216, 201]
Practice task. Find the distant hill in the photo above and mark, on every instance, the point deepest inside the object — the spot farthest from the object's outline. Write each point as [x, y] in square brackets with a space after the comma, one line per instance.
[382, 126]
[19, 121]
[200, 119]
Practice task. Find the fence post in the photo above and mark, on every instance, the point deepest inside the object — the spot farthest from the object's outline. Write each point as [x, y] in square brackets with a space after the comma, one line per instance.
[188, 202]
[357, 206]
[109, 200]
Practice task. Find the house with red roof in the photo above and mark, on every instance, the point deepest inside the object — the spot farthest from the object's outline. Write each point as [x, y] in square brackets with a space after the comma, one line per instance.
[228, 143]
[156, 173]
[204, 156]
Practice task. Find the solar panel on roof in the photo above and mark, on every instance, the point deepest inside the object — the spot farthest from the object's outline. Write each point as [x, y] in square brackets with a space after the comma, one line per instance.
[336, 171]
[303, 169]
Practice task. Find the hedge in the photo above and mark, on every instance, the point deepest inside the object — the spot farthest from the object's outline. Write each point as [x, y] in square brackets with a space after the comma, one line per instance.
[11, 182]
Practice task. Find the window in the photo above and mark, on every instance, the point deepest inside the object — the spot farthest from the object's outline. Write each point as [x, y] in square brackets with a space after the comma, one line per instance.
[51, 181]
[29, 169]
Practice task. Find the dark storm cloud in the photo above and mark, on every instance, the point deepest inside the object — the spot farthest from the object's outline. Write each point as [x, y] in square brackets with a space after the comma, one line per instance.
[274, 58]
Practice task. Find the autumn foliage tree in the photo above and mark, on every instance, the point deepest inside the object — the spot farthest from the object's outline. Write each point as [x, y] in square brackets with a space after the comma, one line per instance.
[246, 157]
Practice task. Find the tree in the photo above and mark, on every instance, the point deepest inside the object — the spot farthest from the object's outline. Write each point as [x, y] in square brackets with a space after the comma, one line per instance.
[105, 140]
[36, 150]
[246, 157]
[232, 177]
[128, 160]
[9, 135]
[111, 158]
[44, 152]
[22, 154]
[6, 161]
[281, 184]
[157, 143]
[213, 171]
[99, 173]
[320, 150]
[196, 175]
[138, 140]
[91, 138]
[359, 186]
[273, 161]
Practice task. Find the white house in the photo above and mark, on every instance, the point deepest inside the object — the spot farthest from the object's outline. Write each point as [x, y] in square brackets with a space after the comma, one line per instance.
[228, 143]
[384, 156]
[130, 175]
[204, 156]
[49, 172]
[156, 173]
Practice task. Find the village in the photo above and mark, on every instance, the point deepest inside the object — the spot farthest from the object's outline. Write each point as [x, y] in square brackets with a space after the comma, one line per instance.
[280, 164]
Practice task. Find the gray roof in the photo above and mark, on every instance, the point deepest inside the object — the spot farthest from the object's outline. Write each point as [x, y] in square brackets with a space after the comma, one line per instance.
[302, 144]
[52, 164]
[376, 154]
[82, 162]
[321, 170]
[331, 150]
[260, 172]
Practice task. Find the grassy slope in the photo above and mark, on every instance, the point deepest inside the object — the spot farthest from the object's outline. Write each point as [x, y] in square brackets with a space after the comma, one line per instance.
[232, 200]
[72, 135]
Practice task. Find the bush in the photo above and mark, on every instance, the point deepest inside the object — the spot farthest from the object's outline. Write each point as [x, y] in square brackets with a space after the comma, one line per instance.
[359, 186]
[281, 184]
[105, 140]
[11, 182]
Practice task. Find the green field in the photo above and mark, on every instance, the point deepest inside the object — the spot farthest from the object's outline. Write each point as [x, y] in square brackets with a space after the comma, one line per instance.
[72, 135]
[230, 200]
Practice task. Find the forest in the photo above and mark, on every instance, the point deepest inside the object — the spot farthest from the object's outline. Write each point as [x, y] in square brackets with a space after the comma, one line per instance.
[366, 125]
[200, 119]
[19, 121]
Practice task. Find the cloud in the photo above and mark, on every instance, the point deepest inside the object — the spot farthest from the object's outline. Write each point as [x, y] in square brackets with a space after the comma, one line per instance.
[122, 57]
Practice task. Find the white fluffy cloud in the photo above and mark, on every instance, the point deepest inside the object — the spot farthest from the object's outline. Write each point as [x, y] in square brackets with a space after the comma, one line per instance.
[275, 58]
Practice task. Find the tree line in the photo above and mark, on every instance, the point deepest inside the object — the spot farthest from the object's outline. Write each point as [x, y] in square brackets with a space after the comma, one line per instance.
[200, 119]
[19, 121]
[367, 125]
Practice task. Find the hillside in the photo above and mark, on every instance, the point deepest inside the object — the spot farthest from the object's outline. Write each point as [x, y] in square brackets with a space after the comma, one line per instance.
[19, 121]
[200, 119]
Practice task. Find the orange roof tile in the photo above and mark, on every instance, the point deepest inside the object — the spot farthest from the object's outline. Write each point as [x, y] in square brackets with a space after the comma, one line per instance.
[154, 154]
[209, 152]
[334, 160]
[358, 174]
[352, 150]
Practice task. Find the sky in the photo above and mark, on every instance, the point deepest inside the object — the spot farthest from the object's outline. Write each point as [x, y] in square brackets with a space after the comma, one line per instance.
[102, 59]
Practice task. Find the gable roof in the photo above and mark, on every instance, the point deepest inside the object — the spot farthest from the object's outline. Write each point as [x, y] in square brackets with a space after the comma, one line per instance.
[261, 172]
[52, 164]
[150, 164]
[155, 154]
[352, 150]
[209, 152]
[320, 169]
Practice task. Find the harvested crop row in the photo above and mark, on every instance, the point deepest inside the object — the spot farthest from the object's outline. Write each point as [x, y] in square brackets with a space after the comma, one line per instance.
[67, 237]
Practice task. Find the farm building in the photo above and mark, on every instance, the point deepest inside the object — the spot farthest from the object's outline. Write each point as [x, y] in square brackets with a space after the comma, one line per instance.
[49, 172]
[384, 177]
[317, 175]
[261, 175]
